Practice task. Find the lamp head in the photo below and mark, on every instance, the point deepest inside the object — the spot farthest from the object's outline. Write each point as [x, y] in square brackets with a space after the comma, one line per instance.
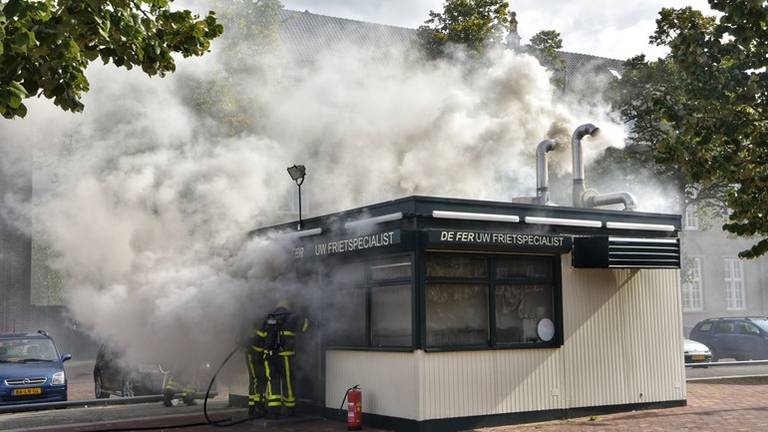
[297, 173]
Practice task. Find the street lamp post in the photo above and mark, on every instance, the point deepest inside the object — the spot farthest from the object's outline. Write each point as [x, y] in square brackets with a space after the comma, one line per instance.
[297, 173]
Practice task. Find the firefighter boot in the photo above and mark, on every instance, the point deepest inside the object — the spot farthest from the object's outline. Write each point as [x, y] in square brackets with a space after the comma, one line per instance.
[256, 411]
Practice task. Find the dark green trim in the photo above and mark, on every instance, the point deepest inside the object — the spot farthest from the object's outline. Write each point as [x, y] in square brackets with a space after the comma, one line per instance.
[370, 348]
[473, 422]
[491, 281]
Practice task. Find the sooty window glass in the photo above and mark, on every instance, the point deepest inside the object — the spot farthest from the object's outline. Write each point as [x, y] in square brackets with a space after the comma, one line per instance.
[524, 268]
[345, 313]
[391, 315]
[457, 314]
[519, 309]
[391, 269]
[492, 300]
[457, 266]
[390, 283]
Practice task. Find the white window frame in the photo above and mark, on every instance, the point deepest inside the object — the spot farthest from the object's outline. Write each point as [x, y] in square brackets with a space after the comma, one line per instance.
[693, 292]
[735, 293]
[691, 222]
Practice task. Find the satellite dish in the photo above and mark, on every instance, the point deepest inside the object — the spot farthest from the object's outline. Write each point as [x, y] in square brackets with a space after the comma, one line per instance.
[546, 329]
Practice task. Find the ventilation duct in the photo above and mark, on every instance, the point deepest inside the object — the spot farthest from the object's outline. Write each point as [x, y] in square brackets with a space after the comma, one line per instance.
[583, 197]
[542, 171]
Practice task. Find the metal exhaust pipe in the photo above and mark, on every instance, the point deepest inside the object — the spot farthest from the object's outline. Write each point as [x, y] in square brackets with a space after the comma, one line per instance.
[579, 188]
[542, 170]
[583, 197]
[626, 198]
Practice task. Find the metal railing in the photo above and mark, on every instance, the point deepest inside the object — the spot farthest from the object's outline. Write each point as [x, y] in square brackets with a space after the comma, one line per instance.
[729, 363]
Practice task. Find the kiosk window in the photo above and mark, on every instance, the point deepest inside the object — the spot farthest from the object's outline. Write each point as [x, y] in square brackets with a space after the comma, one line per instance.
[346, 303]
[398, 269]
[490, 300]
[369, 304]
[391, 315]
[457, 314]
[457, 266]
[519, 308]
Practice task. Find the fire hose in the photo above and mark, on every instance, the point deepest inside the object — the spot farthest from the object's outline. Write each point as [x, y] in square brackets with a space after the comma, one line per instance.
[208, 421]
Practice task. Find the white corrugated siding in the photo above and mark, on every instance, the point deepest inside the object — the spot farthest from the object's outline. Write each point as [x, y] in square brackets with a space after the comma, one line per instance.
[623, 344]
[467, 383]
[389, 381]
[623, 336]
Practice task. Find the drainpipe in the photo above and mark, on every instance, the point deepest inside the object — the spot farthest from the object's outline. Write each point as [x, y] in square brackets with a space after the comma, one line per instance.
[542, 173]
[583, 197]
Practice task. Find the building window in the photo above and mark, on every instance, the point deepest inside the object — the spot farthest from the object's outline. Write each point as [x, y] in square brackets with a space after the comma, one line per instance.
[488, 300]
[734, 284]
[692, 290]
[369, 304]
[691, 217]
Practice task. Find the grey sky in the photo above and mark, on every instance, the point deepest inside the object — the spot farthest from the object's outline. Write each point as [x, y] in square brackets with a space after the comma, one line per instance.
[608, 28]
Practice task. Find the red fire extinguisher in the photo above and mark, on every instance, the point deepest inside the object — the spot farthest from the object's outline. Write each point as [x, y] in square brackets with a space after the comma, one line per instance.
[354, 408]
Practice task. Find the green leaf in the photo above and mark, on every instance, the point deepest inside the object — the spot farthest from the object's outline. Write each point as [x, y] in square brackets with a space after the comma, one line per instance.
[14, 101]
[21, 40]
[12, 8]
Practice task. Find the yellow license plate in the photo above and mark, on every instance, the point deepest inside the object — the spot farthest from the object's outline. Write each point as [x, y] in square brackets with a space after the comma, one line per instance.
[698, 357]
[28, 391]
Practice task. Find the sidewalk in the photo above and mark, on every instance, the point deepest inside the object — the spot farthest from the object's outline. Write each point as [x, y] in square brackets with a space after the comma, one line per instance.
[724, 405]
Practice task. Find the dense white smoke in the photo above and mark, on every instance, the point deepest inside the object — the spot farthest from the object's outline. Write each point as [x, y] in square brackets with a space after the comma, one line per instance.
[146, 202]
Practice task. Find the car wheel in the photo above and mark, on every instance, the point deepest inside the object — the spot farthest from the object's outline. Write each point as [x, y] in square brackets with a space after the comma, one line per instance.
[128, 388]
[98, 388]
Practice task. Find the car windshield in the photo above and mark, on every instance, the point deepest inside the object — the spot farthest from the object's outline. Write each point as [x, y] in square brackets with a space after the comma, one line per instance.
[27, 350]
[762, 323]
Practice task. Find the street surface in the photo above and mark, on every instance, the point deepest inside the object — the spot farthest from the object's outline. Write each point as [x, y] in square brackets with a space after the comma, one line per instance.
[723, 405]
[733, 404]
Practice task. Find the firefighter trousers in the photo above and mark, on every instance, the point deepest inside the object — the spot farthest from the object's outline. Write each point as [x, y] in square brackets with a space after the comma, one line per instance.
[270, 380]
[257, 377]
[280, 382]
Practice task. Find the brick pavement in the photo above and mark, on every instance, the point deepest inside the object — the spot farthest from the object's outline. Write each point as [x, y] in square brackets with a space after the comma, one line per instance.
[725, 405]
[734, 405]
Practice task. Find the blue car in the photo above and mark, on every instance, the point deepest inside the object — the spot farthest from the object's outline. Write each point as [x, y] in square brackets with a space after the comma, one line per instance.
[31, 369]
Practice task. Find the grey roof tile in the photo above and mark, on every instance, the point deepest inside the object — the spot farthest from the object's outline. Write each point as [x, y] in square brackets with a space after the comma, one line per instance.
[306, 34]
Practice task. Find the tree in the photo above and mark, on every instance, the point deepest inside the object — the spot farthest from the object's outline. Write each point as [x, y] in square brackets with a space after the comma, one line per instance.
[252, 34]
[704, 107]
[474, 24]
[544, 46]
[45, 45]
[252, 31]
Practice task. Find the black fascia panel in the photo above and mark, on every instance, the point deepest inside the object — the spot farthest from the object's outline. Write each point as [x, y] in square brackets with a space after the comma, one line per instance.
[418, 214]
[624, 252]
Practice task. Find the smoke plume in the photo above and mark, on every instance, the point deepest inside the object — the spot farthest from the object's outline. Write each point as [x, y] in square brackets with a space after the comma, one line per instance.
[145, 199]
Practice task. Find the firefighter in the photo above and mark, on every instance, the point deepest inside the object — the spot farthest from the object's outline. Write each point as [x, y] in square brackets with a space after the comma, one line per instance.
[271, 386]
[178, 386]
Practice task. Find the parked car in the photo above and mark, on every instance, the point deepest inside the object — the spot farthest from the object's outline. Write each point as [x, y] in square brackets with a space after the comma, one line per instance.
[696, 352]
[31, 369]
[112, 375]
[740, 338]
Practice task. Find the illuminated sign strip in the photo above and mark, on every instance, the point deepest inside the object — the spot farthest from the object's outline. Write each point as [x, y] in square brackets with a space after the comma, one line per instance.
[639, 226]
[564, 222]
[373, 220]
[642, 240]
[489, 217]
[300, 234]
